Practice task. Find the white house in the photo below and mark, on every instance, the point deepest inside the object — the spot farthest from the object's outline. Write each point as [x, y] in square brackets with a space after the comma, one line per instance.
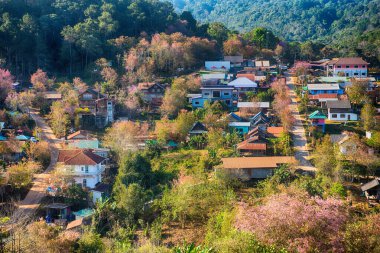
[84, 166]
[243, 84]
[340, 111]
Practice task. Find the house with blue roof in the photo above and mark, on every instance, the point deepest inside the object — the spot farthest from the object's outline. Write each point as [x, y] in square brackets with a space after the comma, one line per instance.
[324, 88]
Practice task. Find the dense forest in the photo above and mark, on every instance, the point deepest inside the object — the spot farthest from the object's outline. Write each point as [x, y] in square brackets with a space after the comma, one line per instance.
[66, 37]
[296, 20]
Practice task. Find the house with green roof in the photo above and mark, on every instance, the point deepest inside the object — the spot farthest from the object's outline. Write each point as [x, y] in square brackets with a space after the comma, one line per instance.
[317, 118]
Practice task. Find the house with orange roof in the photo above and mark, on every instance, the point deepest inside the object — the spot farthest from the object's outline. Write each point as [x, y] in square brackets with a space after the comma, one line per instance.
[82, 165]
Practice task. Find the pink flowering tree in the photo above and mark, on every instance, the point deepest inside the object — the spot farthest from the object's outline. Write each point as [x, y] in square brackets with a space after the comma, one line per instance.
[296, 222]
[41, 81]
[6, 80]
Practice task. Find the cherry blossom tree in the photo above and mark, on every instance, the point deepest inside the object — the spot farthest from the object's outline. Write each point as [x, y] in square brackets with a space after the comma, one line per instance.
[6, 80]
[41, 81]
[296, 222]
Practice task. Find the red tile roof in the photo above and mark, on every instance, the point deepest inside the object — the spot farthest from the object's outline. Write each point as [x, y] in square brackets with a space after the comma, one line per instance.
[322, 96]
[80, 132]
[349, 60]
[79, 157]
[249, 76]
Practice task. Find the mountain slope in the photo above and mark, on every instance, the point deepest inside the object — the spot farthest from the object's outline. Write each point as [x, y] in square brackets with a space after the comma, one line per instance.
[293, 19]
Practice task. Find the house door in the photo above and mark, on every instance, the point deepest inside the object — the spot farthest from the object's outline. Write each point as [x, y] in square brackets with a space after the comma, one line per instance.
[349, 117]
[84, 182]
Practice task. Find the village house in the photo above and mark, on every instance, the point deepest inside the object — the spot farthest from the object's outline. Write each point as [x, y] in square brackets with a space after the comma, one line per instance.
[340, 111]
[247, 168]
[260, 119]
[317, 119]
[224, 93]
[348, 67]
[324, 88]
[240, 127]
[152, 93]
[101, 109]
[243, 84]
[198, 128]
[52, 96]
[236, 60]
[81, 165]
[372, 189]
[345, 143]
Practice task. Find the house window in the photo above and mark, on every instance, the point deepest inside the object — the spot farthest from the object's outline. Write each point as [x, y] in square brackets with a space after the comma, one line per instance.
[226, 93]
[86, 169]
[216, 94]
[363, 66]
[347, 66]
[334, 116]
[87, 96]
[342, 116]
[356, 74]
[84, 182]
[206, 94]
[356, 66]
[196, 103]
[339, 66]
[82, 168]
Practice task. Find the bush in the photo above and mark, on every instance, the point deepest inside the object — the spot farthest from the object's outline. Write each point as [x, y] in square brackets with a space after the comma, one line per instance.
[363, 236]
[90, 242]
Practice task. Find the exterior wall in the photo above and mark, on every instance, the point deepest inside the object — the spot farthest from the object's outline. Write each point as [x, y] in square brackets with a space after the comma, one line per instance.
[226, 95]
[261, 173]
[92, 173]
[350, 70]
[316, 92]
[96, 196]
[343, 116]
[240, 129]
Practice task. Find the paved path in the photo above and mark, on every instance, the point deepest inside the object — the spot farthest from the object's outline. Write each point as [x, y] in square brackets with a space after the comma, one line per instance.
[298, 133]
[32, 200]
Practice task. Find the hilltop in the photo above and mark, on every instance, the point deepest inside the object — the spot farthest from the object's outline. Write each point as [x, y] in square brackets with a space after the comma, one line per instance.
[296, 20]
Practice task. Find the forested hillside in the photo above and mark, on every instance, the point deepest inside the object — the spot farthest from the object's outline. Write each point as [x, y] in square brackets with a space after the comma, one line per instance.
[296, 20]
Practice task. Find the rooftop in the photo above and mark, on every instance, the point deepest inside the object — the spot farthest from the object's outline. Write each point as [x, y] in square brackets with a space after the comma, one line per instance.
[339, 104]
[317, 115]
[79, 157]
[253, 105]
[269, 162]
[242, 82]
[323, 86]
[239, 124]
[370, 184]
[349, 60]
